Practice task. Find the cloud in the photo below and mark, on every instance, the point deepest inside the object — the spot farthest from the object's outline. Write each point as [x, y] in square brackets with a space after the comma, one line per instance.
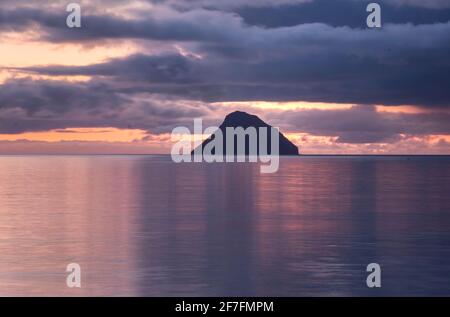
[29, 105]
[183, 4]
[364, 124]
[214, 51]
[345, 13]
[401, 64]
[83, 147]
[434, 4]
[157, 24]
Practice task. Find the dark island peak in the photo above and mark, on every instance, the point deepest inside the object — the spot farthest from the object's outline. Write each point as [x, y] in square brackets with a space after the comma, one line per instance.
[245, 120]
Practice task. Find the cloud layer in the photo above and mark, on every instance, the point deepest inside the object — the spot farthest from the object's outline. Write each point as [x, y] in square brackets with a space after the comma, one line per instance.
[196, 53]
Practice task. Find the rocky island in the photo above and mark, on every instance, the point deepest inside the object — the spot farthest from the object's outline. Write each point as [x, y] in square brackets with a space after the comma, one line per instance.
[240, 119]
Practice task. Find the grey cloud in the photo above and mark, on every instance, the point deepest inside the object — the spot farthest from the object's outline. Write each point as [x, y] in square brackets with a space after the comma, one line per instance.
[149, 68]
[183, 4]
[434, 4]
[42, 105]
[363, 124]
[343, 13]
[401, 64]
[157, 24]
[28, 105]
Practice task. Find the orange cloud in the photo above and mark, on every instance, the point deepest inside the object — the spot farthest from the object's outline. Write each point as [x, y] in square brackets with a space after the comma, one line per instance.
[21, 50]
[79, 134]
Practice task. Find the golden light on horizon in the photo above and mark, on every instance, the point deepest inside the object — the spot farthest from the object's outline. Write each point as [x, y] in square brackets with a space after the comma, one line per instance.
[79, 134]
[406, 109]
[23, 50]
[9, 75]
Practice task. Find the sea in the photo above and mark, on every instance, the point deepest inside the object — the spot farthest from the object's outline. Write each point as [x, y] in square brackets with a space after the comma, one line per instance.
[142, 225]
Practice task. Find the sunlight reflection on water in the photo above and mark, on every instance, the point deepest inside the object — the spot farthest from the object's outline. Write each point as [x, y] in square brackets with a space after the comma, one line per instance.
[142, 225]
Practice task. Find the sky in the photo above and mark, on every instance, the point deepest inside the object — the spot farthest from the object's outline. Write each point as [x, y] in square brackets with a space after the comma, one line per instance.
[135, 70]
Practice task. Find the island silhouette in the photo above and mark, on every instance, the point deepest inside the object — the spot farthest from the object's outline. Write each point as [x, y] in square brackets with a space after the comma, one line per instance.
[245, 120]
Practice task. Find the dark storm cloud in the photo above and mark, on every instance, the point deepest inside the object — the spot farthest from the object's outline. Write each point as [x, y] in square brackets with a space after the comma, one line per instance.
[186, 4]
[214, 4]
[28, 105]
[203, 25]
[401, 64]
[340, 12]
[148, 68]
[57, 97]
[23, 18]
[158, 24]
[434, 4]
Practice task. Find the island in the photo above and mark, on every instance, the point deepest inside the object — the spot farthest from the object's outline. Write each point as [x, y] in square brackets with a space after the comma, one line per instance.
[240, 119]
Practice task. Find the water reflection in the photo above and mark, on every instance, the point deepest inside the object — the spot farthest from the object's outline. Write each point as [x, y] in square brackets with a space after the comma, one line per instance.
[141, 225]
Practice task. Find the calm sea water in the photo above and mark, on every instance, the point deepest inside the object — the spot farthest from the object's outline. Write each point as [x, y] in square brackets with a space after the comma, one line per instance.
[142, 225]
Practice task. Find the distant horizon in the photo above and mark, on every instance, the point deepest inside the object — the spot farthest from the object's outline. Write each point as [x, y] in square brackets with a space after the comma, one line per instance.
[168, 154]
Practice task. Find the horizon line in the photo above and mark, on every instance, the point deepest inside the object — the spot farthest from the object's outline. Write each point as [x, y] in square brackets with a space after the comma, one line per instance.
[168, 154]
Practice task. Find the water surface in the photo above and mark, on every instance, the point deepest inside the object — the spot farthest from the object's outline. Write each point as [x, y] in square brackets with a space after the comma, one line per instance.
[144, 226]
